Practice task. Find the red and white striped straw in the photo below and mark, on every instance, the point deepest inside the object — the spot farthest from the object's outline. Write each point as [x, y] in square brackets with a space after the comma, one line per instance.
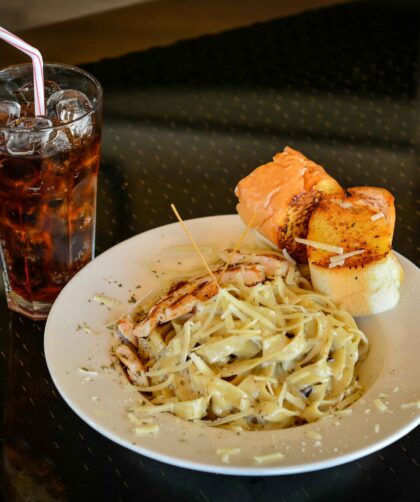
[37, 65]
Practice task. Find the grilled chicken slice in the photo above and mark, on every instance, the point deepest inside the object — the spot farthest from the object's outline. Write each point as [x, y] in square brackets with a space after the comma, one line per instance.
[182, 297]
[125, 327]
[272, 262]
[132, 364]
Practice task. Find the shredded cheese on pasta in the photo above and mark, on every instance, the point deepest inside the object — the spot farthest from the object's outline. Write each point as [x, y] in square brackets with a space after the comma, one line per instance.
[271, 457]
[268, 356]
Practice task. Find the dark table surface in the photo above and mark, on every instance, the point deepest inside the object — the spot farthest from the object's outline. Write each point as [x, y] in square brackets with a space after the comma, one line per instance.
[183, 124]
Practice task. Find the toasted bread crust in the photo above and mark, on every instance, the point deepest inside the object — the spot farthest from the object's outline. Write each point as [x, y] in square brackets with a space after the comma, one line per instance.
[378, 200]
[366, 283]
[347, 222]
[296, 224]
[279, 197]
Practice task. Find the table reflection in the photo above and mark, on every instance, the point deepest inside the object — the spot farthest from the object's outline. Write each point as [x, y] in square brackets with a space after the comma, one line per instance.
[29, 472]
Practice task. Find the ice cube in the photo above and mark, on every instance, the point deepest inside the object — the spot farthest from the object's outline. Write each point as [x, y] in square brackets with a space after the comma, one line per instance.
[28, 136]
[69, 105]
[9, 111]
[25, 94]
[60, 140]
[25, 123]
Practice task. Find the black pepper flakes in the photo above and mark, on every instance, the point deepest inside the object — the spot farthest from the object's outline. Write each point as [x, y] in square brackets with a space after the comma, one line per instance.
[306, 391]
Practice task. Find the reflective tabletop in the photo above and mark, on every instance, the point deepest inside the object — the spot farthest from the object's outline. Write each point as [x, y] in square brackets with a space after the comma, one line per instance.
[183, 124]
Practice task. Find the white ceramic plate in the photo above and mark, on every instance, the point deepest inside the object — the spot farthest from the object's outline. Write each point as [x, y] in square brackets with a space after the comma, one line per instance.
[391, 370]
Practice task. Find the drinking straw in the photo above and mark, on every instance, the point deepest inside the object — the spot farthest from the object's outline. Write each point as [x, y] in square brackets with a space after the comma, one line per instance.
[37, 67]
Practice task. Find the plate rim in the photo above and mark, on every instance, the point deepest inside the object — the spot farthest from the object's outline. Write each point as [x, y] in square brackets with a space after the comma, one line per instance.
[257, 470]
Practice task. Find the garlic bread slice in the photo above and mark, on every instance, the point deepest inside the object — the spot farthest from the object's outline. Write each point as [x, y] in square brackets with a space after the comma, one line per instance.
[277, 199]
[367, 282]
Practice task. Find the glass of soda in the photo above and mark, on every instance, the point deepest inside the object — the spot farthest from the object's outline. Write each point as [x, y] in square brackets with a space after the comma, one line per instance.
[48, 177]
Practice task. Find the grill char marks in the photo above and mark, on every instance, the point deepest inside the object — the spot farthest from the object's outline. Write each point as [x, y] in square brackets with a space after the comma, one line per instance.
[250, 268]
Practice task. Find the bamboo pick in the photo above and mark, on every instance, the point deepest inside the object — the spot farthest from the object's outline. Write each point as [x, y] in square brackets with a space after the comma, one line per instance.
[237, 246]
[174, 209]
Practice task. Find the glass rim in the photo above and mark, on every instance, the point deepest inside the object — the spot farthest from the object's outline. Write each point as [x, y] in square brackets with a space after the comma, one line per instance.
[73, 68]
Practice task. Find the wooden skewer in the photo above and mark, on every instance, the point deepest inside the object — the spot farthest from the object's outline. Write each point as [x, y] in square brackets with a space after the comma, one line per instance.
[193, 243]
[237, 246]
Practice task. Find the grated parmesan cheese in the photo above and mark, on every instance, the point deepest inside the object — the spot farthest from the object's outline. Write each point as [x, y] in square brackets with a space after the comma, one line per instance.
[226, 453]
[105, 300]
[142, 430]
[343, 204]
[334, 264]
[345, 412]
[314, 435]
[377, 428]
[380, 405]
[85, 371]
[101, 413]
[414, 404]
[288, 257]
[271, 457]
[377, 216]
[344, 256]
[320, 245]
[86, 329]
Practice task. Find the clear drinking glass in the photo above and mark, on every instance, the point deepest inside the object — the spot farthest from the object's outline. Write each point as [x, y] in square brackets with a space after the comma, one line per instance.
[48, 178]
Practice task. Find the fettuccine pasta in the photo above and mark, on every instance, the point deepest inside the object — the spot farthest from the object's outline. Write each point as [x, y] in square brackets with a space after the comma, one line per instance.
[268, 356]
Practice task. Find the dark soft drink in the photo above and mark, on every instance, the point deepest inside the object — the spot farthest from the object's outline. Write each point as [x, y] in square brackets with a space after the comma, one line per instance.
[47, 215]
[48, 177]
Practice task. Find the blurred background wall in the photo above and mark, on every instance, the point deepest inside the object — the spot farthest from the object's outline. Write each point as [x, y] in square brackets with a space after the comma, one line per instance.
[22, 14]
[79, 31]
